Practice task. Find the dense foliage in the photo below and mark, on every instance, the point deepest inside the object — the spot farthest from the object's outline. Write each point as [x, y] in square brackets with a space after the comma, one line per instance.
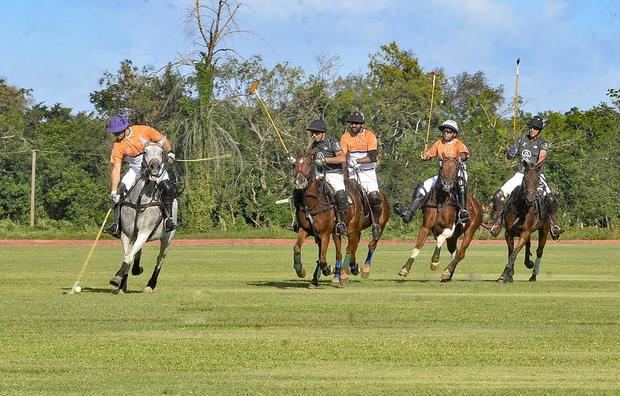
[208, 112]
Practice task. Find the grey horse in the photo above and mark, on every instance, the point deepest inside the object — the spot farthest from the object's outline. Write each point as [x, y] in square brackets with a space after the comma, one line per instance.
[141, 221]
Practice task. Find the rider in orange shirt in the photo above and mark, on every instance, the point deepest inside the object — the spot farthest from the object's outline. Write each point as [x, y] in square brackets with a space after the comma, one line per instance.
[128, 147]
[446, 147]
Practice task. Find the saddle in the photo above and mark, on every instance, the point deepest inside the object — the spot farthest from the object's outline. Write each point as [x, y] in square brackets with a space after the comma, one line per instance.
[353, 187]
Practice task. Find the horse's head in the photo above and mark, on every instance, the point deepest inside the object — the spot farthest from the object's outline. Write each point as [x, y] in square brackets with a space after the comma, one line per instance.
[531, 181]
[153, 161]
[303, 171]
[448, 172]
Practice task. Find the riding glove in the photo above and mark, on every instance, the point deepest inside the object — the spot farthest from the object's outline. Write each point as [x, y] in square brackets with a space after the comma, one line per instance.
[353, 164]
[171, 158]
[319, 161]
[114, 197]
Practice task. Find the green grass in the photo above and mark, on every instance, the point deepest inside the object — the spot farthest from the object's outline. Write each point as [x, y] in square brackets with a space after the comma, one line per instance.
[235, 320]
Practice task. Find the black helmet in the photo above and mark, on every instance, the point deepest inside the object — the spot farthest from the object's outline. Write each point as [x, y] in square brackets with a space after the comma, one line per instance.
[356, 117]
[317, 125]
[536, 122]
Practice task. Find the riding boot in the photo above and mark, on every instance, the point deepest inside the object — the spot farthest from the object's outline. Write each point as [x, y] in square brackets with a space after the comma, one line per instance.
[498, 207]
[297, 202]
[341, 207]
[552, 208]
[376, 203]
[417, 199]
[168, 194]
[462, 197]
[114, 229]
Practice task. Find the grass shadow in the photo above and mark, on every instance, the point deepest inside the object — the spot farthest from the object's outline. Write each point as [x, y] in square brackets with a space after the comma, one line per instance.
[289, 284]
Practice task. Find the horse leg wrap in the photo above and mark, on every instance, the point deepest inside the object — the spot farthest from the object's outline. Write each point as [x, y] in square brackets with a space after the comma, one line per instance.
[347, 260]
[409, 263]
[369, 257]
[297, 265]
[537, 262]
[123, 270]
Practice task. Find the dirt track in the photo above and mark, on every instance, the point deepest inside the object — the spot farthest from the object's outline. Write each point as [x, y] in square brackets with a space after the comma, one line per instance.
[256, 242]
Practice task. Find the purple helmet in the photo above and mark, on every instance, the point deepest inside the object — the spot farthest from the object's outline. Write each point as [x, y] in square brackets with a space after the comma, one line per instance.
[117, 124]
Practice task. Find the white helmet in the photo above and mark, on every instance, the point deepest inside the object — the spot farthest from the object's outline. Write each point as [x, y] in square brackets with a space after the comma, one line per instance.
[450, 124]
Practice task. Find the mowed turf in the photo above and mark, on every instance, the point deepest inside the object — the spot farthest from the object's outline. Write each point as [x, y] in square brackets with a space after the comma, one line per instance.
[236, 320]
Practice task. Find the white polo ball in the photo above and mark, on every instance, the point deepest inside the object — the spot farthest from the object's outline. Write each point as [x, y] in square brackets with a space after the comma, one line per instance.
[77, 289]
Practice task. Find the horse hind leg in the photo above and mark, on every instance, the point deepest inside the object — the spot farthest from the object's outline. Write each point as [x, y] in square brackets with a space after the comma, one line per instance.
[542, 240]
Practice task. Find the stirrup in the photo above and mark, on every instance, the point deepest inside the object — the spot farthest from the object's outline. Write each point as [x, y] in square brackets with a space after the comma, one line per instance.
[464, 216]
[169, 225]
[341, 229]
[113, 230]
[556, 231]
[495, 229]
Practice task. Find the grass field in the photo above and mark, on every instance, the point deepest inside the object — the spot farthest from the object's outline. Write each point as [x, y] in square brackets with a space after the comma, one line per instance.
[235, 320]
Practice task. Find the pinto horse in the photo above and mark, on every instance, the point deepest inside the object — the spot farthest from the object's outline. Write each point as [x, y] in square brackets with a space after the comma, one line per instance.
[141, 221]
[316, 216]
[523, 214]
[440, 210]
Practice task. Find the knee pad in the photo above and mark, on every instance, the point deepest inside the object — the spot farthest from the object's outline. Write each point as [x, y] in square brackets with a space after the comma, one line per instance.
[168, 191]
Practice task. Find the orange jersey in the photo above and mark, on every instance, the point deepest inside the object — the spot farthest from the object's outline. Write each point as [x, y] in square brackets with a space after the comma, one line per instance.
[359, 145]
[447, 150]
[133, 145]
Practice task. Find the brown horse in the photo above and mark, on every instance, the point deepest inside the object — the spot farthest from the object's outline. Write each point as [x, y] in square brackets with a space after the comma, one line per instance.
[440, 211]
[316, 216]
[523, 214]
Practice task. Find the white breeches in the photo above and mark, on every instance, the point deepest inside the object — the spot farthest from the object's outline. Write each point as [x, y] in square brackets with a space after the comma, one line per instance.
[366, 178]
[336, 180]
[516, 180]
[133, 174]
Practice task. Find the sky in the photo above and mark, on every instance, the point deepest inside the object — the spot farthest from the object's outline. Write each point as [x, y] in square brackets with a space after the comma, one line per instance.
[569, 49]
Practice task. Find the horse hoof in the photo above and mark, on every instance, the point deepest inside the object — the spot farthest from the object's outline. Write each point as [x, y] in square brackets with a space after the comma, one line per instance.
[365, 271]
[446, 276]
[434, 266]
[355, 270]
[336, 283]
[301, 273]
[148, 289]
[136, 270]
[116, 281]
[327, 270]
[533, 278]
[529, 264]
[118, 291]
[403, 272]
[312, 286]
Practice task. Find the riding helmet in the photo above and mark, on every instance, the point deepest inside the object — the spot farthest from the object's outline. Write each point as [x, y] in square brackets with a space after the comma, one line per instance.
[450, 124]
[536, 122]
[318, 126]
[356, 117]
[117, 124]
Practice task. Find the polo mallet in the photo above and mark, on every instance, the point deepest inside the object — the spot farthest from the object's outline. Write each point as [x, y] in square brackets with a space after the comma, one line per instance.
[254, 91]
[76, 286]
[430, 113]
[516, 101]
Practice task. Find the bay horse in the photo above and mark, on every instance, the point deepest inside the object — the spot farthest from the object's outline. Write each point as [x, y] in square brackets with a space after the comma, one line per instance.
[524, 213]
[141, 221]
[440, 210]
[316, 216]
